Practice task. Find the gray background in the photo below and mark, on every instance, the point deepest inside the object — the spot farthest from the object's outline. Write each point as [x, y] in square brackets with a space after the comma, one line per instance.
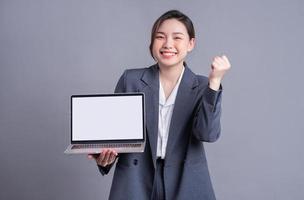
[52, 49]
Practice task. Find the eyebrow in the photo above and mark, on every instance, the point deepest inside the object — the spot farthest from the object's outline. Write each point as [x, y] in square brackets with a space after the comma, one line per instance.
[174, 33]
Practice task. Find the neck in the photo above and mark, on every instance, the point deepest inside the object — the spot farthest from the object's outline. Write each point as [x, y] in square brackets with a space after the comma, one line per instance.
[170, 73]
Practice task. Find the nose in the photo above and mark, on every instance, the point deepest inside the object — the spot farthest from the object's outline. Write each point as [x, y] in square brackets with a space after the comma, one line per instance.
[168, 43]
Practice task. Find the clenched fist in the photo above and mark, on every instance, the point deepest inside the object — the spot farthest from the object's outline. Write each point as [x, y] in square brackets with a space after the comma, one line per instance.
[220, 65]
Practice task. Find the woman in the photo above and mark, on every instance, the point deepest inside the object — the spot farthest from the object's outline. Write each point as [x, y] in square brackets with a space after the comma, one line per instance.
[182, 111]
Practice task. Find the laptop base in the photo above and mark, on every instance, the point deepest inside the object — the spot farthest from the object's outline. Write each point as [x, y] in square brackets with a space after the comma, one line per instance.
[93, 149]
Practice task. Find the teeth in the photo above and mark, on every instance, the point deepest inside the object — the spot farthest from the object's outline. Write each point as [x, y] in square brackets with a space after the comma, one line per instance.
[168, 53]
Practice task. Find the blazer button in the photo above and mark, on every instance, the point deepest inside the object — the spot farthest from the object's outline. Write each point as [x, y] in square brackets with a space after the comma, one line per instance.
[135, 161]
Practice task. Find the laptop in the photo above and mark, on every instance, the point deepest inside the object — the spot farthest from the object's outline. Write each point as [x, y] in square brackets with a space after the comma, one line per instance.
[107, 121]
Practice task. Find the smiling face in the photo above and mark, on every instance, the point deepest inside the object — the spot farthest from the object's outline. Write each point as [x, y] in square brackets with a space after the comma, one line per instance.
[171, 43]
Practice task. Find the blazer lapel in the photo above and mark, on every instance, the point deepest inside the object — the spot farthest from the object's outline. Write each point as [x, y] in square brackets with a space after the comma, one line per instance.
[183, 99]
[151, 79]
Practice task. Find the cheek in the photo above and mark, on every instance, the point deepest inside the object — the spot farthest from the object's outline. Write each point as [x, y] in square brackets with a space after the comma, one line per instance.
[156, 47]
[156, 44]
[184, 46]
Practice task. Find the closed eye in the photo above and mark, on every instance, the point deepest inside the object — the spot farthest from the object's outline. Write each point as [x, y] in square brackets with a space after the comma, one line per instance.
[159, 37]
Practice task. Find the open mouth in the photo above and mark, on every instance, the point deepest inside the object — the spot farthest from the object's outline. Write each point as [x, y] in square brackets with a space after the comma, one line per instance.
[168, 53]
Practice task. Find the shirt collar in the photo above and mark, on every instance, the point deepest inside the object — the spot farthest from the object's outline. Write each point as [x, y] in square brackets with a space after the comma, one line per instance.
[172, 96]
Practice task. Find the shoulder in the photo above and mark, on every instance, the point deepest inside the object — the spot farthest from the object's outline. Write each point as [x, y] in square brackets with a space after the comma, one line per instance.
[196, 80]
[193, 79]
[137, 73]
[202, 80]
[140, 70]
[134, 79]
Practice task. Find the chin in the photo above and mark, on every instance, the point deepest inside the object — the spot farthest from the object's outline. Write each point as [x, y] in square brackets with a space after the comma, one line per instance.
[169, 64]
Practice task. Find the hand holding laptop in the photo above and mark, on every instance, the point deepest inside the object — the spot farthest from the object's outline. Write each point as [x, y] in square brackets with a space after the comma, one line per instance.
[106, 157]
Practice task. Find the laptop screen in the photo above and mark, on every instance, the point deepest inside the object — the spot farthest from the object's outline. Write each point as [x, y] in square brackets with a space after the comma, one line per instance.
[107, 117]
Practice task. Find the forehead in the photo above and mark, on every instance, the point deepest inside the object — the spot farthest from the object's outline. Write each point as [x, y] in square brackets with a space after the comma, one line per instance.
[172, 26]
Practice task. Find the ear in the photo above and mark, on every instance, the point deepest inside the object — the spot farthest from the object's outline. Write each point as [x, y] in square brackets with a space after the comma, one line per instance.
[191, 44]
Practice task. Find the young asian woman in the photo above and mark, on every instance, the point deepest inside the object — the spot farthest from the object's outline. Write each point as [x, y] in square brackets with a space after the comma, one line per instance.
[183, 111]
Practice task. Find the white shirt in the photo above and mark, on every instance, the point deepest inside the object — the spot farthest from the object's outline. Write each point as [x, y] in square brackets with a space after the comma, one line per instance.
[164, 116]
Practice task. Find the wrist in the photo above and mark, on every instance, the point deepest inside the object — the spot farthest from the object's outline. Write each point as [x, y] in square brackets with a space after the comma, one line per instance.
[214, 84]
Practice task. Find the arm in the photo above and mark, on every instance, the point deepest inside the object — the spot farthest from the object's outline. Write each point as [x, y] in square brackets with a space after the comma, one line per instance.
[206, 122]
[105, 169]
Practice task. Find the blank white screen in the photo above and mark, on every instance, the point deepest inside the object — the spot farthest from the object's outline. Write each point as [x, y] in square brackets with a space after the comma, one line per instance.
[107, 118]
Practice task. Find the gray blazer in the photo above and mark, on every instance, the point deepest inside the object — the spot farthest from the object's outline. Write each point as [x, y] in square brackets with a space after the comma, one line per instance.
[195, 119]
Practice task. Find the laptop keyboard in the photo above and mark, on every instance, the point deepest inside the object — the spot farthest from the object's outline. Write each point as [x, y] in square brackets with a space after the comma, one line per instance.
[93, 146]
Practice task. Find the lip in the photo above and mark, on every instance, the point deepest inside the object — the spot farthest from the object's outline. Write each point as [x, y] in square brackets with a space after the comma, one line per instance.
[168, 54]
[164, 51]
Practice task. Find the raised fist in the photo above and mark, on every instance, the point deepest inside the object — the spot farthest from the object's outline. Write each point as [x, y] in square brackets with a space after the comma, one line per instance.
[220, 65]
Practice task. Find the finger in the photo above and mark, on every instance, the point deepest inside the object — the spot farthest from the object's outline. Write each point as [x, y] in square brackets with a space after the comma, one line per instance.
[102, 154]
[220, 60]
[226, 60]
[99, 157]
[114, 152]
[224, 57]
[215, 58]
[112, 157]
[222, 64]
[107, 156]
[104, 161]
[216, 65]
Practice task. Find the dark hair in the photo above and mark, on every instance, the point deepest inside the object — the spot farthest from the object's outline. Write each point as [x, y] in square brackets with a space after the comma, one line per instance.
[172, 14]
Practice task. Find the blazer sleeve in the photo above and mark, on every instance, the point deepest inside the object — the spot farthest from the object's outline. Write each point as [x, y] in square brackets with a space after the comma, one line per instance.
[206, 121]
[105, 170]
[120, 88]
